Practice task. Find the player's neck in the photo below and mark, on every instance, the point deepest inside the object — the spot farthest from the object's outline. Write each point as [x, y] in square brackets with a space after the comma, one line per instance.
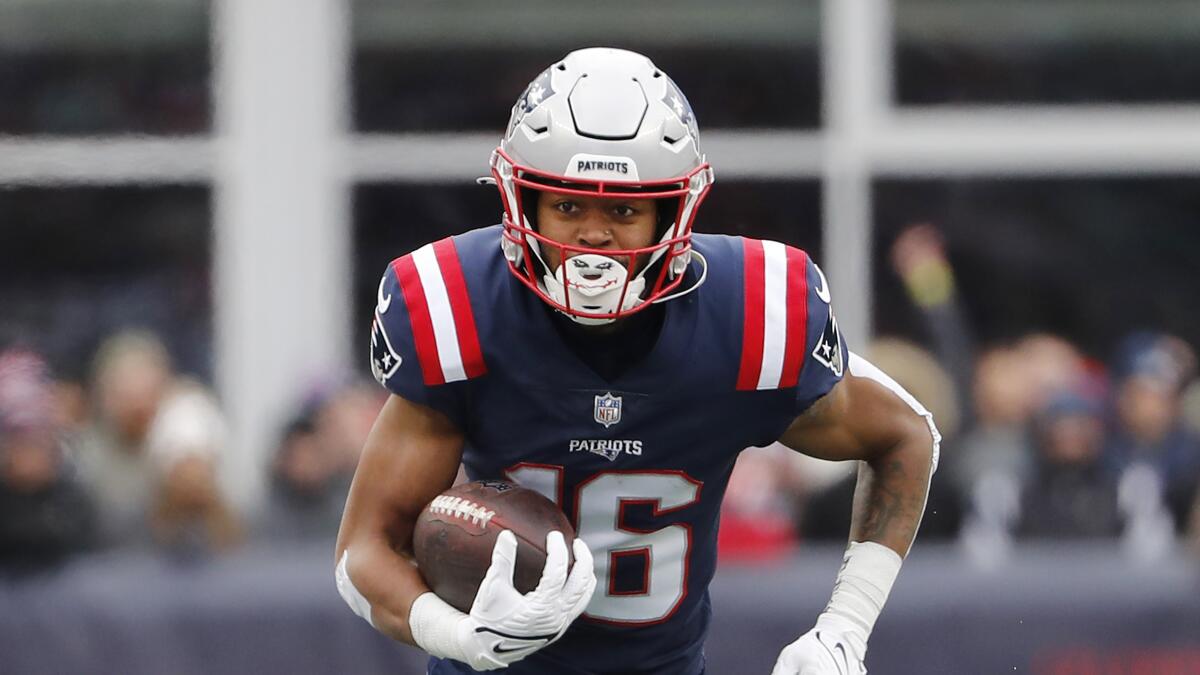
[649, 319]
[611, 349]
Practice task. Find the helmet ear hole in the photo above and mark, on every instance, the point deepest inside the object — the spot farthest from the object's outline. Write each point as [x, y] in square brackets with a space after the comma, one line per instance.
[667, 208]
[529, 205]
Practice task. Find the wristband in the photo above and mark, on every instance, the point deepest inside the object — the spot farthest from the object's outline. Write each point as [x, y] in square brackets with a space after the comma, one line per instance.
[434, 625]
[863, 584]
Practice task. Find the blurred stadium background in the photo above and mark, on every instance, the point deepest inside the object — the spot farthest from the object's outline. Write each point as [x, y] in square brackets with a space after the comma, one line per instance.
[197, 198]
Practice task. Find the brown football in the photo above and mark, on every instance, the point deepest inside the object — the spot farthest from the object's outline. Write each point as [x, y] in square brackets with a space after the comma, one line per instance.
[455, 533]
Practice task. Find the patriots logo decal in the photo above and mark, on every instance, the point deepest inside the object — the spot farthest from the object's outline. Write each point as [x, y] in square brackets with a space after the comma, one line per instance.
[676, 101]
[607, 452]
[539, 90]
[828, 351]
[384, 359]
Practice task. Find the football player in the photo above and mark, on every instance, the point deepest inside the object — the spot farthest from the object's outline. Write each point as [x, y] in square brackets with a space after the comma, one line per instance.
[593, 348]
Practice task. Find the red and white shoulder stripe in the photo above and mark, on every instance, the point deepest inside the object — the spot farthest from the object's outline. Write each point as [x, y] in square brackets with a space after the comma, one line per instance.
[435, 294]
[775, 319]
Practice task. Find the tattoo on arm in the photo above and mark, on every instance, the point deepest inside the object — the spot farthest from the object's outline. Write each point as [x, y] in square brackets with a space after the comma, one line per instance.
[889, 501]
[893, 446]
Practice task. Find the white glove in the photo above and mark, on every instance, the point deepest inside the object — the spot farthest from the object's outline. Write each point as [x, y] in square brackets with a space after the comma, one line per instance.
[838, 642]
[505, 626]
[832, 647]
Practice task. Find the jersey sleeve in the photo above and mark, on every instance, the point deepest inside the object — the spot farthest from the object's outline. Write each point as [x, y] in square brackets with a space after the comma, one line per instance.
[825, 349]
[424, 343]
[790, 338]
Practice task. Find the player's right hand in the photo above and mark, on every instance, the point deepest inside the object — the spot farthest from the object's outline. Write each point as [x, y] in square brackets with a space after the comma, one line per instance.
[505, 626]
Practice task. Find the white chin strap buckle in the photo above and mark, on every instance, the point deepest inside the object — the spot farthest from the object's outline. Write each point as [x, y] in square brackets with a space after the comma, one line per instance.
[512, 250]
[595, 284]
[679, 264]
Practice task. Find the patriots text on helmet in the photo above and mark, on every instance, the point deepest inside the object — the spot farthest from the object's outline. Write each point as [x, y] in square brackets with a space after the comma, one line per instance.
[617, 167]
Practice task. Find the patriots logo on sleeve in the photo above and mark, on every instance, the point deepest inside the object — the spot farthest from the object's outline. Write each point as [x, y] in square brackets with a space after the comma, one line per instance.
[828, 351]
[384, 359]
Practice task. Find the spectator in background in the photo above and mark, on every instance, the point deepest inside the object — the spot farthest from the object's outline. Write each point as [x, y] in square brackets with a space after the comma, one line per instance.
[1190, 411]
[1149, 436]
[997, 447]
[343, 413]
[131, 376]
[1189, 406]
[71, 407]
[1011, 384]
[919, 259]
[315, 461]
[189, 517]
[1069, 495]
[307, 488]
[150, 454]
[45, 515]
[1053, 366]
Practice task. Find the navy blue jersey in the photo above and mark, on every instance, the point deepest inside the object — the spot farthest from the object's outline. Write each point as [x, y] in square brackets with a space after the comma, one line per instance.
[638, 463]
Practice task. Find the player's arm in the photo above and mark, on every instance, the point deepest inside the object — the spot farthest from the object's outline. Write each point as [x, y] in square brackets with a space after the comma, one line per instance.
[411, 455]
[866, 417]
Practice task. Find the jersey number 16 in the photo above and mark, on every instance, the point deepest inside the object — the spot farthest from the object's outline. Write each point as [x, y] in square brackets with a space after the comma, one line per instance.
[600, 503]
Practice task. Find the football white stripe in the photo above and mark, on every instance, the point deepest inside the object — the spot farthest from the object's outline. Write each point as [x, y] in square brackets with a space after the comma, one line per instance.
[441, 313]
[775, 319]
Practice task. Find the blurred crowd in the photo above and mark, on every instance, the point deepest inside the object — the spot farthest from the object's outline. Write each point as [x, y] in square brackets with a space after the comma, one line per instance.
[1040, 442]
[131, 459]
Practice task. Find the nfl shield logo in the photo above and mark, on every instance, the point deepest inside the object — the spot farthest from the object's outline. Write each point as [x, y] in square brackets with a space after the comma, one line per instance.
[608, 409]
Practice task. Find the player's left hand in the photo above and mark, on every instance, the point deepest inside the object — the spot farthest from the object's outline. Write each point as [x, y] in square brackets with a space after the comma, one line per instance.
[833, 647]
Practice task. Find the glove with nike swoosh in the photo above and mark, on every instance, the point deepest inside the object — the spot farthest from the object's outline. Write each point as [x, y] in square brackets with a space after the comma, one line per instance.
[832, 647]
[505, 626]
[838, 642]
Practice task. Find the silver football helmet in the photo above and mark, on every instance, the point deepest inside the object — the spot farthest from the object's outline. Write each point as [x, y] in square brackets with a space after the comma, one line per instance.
[601, 122]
